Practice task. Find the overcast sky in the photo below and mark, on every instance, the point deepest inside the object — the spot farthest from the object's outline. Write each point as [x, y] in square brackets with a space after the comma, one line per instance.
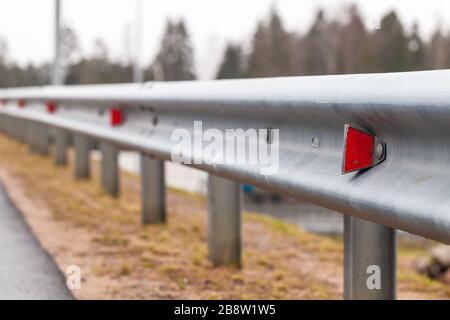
[27, 25]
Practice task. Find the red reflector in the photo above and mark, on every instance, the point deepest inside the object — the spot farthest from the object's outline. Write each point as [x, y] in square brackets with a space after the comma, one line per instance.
[21, 103]
[116, 117]
[361, 150]
[51, 107]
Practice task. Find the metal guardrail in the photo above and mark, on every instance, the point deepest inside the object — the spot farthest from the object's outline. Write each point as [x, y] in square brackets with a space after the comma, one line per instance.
[409, 112]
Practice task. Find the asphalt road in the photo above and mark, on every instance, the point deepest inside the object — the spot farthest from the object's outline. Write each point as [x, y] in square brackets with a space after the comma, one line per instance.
[26, 269]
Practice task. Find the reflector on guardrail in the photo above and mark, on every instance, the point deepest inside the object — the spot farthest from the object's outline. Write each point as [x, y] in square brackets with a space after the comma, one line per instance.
[361, 150]
[21, 103]
[116, 117]
[51, 107]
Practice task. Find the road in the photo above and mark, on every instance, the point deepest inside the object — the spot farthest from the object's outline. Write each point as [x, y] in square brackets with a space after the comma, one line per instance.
[26, 269]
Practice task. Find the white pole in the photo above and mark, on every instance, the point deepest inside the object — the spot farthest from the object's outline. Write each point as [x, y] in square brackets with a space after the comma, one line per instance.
[138, 72]
[57, 71]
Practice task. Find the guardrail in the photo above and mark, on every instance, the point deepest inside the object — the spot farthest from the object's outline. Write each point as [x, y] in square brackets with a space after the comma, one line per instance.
[304, 117]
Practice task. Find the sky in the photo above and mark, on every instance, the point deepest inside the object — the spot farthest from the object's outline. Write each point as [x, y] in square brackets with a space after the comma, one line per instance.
[27, 25]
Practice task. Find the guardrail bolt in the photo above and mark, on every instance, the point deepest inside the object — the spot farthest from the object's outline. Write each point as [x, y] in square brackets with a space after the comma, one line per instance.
[379, 150]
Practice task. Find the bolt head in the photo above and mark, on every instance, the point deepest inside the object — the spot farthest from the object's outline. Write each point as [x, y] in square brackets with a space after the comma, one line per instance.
[379, 150]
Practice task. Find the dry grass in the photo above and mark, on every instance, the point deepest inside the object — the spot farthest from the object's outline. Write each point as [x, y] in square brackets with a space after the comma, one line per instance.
[121, 259]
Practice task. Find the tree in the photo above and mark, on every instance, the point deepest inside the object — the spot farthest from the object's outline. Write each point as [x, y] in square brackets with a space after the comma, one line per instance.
[416, 55]
[354, 54]
[438, 51]
[259, 62]
[271, 53]
[320, 47]
[232, 64]
[175, 59]
[99, 68]
[391, 45]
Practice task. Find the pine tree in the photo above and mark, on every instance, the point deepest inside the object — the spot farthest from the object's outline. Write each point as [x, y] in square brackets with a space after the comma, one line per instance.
[416, 58]
[354, 52]
[232, 64]
[438, 52]
[391, 45]
[175, 59]
[320, 47]
[271, 53]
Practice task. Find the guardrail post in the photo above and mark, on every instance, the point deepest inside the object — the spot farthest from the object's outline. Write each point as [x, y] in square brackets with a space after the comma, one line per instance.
[16, 128]
[2, 123]
[61, 142]
[224, 221]
[369, 260]
[43, 139]
[22, 130]
[82, 157]
[11, 127]
[33, 136]
[110, 168]
[19, 129]
[153, 190]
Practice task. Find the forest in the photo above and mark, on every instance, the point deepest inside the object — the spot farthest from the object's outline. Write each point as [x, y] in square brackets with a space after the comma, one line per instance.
[328, 46]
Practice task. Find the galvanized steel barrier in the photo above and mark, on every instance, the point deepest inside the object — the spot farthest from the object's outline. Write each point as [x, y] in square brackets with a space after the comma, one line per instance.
[409, 112]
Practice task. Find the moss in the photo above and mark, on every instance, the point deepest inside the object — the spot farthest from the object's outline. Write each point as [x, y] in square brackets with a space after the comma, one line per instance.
[125, 269]
[238, 279]
[111, 238]
[159, 249]
[419, 283]
[182, 283]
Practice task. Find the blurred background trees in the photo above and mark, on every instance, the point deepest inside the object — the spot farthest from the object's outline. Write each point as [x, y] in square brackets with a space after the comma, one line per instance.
[328, 46]
[232, 66]
[175, 59]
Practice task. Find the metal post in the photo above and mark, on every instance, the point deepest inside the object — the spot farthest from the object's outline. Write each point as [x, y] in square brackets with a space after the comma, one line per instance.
[138, 71]
[31, 132]
[369, 260]
[57, 74]
[22, 130]
[82, 157]
[61, 142]
[16, 128]
[43, 139]
[153, 190]
[10, 127]
[110, 168]
[224, 221]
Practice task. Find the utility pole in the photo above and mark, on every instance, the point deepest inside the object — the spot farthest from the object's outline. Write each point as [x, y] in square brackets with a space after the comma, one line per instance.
[57, 74]
[138, 72]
